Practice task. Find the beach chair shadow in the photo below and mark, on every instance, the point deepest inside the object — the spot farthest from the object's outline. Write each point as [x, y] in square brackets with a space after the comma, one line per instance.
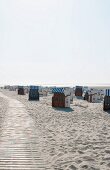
[107, 111]
[79, 98]
[63, 109]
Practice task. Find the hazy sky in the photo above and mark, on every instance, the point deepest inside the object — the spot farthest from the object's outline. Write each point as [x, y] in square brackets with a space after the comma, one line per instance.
[54, 41]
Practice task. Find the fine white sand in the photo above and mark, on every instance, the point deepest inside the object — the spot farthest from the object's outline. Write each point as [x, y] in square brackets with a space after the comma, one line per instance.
[72, 139]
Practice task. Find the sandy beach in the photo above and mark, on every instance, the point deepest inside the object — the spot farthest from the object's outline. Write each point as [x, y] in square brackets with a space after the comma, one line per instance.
[68, 139]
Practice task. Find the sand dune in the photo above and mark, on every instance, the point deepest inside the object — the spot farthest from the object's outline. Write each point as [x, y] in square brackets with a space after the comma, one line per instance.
[71, 139]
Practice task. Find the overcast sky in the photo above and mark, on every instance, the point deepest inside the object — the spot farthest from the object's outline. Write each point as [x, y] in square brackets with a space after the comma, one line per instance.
[54, 41]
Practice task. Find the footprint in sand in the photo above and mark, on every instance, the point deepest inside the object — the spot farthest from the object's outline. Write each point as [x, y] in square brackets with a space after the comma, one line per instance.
[108, 165]
[72, 167]
[79, 161]
[88, 158]
[93, 168]
[84, 167]
[80, 152]
[102, 163]
[107, 151]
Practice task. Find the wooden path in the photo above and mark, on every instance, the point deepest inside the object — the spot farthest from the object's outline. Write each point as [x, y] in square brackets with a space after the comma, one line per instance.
[19, 140]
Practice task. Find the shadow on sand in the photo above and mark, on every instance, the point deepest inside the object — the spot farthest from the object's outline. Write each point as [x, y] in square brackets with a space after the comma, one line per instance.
[79, 98]
[107, 111]
[63, 109]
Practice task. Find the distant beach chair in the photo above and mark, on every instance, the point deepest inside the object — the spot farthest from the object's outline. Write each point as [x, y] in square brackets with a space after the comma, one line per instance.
[21, 90]
[106, 103]
[61, 98]
[34, 93]
[79, 91]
